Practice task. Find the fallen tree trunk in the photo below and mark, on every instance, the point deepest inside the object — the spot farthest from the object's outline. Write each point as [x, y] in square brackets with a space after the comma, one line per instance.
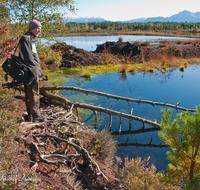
[153, 103]
[95, 108]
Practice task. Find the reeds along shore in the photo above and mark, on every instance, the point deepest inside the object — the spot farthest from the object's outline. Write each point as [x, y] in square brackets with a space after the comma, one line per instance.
[166, 55]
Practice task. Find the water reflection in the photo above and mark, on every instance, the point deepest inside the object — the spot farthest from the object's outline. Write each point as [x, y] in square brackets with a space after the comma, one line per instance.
[170, 87]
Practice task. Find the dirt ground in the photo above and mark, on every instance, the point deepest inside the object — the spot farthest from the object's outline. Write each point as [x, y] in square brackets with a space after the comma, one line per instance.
[58, 177]
[123, 52]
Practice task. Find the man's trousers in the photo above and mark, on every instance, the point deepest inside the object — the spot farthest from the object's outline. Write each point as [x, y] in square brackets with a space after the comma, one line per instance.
[32, 99]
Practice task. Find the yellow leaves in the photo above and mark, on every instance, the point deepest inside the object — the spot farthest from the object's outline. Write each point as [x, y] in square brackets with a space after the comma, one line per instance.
[2, 1]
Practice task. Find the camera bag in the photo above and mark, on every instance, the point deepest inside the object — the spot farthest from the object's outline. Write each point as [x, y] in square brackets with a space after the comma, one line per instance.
[18, 70]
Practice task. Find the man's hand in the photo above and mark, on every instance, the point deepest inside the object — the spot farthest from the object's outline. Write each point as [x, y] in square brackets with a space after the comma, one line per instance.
[36, 78]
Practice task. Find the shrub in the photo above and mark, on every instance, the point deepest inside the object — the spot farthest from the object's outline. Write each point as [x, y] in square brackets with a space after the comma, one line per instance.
[183, 137]
[185, 64]
[179, 42]
[137, 43]
[123, 68]
[47, 52]
[87, 74]
[173, 50]
[164, 43]
[138, 175]
[7, 45]
[120, 39]
[145, 44]
[182, 67]
[188, 42]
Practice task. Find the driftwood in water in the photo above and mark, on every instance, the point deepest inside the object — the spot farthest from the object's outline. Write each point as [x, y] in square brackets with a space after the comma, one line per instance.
[67, 102]
[143, 145]
[95, 108]
[136, 131]
[153, 103]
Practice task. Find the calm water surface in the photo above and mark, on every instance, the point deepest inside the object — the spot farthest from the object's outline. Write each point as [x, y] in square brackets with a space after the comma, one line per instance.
[89, 43]
[171, 87]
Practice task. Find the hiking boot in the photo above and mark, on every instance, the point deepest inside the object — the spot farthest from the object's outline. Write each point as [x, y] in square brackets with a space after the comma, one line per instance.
[38, 118]
[27, 118]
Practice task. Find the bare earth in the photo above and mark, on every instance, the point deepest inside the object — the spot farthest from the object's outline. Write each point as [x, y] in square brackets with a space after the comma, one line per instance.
[54, 177]
[123, 52]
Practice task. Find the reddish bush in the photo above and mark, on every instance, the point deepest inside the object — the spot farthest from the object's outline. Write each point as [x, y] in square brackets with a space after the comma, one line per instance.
[7, 45]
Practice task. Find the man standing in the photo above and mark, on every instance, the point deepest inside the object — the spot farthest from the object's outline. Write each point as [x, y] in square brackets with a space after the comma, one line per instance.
[28, 53]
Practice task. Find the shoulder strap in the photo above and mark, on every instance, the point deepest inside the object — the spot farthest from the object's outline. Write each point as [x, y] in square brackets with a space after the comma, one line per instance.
[16, 48]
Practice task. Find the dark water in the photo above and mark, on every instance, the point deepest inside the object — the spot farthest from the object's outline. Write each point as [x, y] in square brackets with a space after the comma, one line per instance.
[169, 87]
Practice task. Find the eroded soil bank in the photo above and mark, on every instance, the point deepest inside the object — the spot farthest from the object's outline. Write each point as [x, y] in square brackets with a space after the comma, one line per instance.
[125, 52]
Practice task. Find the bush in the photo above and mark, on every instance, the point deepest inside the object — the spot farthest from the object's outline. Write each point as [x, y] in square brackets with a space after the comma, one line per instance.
[47, 52]
[137, 175]
[145, 44]
[185, 64]
[7, 45]
[120, 39]
[173, 50]
[87, 74]
[182, 67]
[183, 137]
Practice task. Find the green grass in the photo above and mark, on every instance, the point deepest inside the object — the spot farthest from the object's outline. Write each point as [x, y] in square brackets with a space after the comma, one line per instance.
[87, 74]
[116, 67]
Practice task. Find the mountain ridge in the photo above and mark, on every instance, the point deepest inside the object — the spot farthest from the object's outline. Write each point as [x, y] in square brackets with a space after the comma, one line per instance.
[183, 16]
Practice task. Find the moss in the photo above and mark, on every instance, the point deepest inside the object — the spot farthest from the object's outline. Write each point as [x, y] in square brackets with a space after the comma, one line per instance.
[117, 67]
[185, 64]
[182, 67]
[87, 74]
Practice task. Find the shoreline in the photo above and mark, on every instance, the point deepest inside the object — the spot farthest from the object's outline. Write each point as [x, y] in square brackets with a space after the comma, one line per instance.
[172, 33]
[126, 57]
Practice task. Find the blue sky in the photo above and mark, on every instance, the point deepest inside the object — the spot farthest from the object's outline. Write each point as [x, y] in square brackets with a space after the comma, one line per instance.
[119, 10]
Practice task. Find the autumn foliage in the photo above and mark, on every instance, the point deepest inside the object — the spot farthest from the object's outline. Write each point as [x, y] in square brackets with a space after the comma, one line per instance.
[7, 45]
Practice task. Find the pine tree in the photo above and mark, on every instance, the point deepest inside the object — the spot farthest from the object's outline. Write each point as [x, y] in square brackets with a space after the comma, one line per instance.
[183, 137]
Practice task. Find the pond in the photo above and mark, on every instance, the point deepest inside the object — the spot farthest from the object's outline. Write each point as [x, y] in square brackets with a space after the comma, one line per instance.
[171, 87]
[89, 43]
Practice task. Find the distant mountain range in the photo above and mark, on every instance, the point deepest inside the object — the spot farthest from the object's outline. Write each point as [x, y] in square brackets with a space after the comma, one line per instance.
[85, 19]
[184, 16]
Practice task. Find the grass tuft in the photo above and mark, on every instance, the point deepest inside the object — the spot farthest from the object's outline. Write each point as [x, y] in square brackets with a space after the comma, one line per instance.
[120, 39]
[123, 68]
[182, 67]
[185, 64]
[87, 74]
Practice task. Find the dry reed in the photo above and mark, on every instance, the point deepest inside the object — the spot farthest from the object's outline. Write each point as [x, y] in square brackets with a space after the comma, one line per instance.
[143, 56]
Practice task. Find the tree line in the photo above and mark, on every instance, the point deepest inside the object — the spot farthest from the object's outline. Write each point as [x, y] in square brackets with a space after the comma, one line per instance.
[98, 26]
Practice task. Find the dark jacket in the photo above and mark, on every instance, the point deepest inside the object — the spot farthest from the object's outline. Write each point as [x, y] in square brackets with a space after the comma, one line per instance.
[28, 53]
